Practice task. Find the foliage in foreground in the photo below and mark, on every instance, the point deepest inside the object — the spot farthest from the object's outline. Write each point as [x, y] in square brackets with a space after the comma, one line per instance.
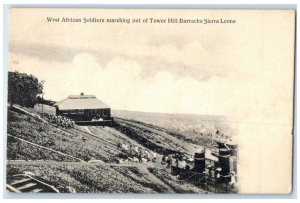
[23, 89]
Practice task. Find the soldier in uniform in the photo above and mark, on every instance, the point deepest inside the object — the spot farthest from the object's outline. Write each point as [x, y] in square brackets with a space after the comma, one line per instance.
[164, 159]
[147, 155]
[232, 179]
[169, 161]
[218, 174]
[153, 156]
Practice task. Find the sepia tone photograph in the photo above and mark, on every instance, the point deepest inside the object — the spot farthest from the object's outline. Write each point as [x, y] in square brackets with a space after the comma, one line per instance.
[150, 101]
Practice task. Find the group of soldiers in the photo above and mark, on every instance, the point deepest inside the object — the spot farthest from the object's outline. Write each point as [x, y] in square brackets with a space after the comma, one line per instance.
[136, 153]
[180, 165]
[62, 121]
[179, 160]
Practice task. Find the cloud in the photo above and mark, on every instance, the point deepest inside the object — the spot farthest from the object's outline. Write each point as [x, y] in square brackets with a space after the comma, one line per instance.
[120, 84]
[156, 47]
[190, 59]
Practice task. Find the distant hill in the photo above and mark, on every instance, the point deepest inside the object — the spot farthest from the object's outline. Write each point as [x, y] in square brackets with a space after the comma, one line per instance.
[140, 114]
[190, 125]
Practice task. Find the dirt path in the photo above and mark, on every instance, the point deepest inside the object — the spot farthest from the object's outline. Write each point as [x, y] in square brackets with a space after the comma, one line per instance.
[152, 178]
[88, 130]
[29, 113]
[58, 163]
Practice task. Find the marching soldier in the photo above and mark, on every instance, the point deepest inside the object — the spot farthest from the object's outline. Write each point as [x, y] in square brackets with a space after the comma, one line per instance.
[153, 156]
[169, 161]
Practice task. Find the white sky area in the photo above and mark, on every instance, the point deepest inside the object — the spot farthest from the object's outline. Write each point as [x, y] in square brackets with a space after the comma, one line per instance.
[216, 69]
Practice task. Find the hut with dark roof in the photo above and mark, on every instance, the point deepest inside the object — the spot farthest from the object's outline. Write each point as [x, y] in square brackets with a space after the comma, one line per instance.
[83, 108]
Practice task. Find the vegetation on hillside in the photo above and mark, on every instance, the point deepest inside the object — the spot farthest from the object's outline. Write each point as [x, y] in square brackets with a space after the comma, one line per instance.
[105, 176]
[72, 142]
[23, 89]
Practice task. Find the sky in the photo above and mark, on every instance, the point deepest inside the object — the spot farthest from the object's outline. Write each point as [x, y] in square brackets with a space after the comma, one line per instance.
[216, 69]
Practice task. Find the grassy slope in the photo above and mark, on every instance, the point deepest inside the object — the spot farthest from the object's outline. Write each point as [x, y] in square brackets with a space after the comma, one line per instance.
[71, 142]
[86, 177]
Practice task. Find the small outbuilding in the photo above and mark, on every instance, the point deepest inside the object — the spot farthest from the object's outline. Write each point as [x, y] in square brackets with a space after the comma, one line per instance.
[83, 108]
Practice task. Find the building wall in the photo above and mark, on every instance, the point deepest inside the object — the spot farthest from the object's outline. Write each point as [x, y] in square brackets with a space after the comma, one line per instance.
[86, 114]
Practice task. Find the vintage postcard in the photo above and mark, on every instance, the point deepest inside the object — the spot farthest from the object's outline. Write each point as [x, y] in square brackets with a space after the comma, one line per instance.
[150, 101]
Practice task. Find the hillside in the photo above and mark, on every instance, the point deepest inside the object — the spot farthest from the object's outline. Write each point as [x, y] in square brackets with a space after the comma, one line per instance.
[191, 128]
[87, 159]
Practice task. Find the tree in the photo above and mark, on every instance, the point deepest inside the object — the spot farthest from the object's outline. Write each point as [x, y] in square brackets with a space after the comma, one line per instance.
[23, 89]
